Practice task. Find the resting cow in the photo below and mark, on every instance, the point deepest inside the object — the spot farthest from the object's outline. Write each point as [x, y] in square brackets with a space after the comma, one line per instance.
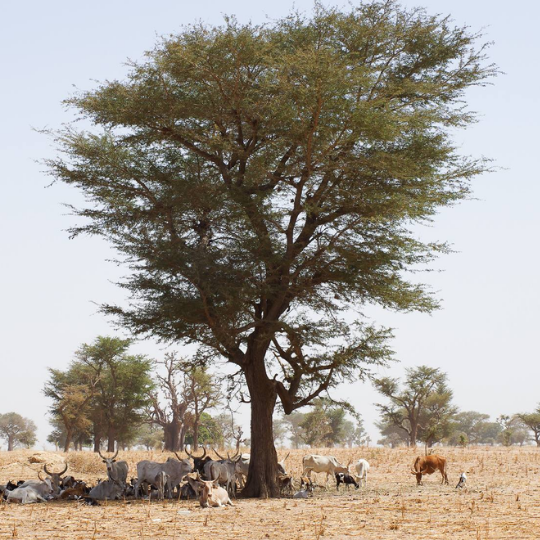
[428, 465]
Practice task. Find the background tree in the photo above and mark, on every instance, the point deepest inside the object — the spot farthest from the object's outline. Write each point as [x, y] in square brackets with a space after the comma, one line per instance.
[296, 431]
[149, 436]
[72, 392]
[471, 424]
[184, 392]
[280, 431]
[436, 417]
[16, 430]
[354, 433]
[169, 407]
[326, 425]
[409, 406]
[58, 436]
[532, 422]
[123, 387]
[259, 181]
[203, 392]
[506, 432]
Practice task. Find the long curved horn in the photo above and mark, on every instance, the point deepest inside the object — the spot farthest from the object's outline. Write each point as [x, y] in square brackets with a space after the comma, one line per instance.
[45, 470]
[215, 452]
[204, 455]
[100, 454]
[65, 469]
[285, 458]
[190, 455]
[177, 456]
[39, 476]
[116, 453]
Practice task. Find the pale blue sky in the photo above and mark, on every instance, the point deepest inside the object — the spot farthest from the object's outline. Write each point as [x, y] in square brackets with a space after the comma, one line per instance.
[485, 335]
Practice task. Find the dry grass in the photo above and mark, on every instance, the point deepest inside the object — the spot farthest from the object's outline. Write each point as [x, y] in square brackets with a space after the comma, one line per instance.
[502, 500]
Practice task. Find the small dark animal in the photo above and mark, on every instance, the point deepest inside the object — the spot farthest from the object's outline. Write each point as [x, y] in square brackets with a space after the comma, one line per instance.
[187, 492]
[90, 502]
[428, 465]
[347, 479]
[67, 482]
[286, 483]
[462, 480]
[199, 462]
[76, 492]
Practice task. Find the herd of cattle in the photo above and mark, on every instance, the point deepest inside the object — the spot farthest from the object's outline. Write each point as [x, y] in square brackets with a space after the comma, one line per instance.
[212, 481]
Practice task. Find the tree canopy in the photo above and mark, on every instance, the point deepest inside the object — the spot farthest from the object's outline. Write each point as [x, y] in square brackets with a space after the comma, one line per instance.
[262, 181]
[17, 430]
[422, 408]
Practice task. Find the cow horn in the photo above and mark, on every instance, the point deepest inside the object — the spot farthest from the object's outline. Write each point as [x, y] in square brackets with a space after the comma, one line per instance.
[100, 454]
[204, 455]
[39, 476]
[285, 458]
[215, 452]
[177, 456]
[116, 453]
[190, 455]
[45, 470]
[65, 469]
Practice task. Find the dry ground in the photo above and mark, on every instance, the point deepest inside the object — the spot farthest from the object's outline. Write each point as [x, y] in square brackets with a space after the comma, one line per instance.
[502, 500]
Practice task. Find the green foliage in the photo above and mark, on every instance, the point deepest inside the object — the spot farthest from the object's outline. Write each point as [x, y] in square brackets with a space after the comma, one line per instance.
[296, 431]
[104, 390]
[422, 409]
[16, 430]
[475, 427]
[258, 180]
[149, 436]
[327, 425]
[532, 422]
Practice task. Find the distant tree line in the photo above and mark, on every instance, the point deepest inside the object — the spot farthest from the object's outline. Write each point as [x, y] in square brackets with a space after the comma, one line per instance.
[107, 397]
[421, 410]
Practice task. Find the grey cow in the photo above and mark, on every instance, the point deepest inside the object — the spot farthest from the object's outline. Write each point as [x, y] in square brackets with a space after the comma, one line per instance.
[107, 490]
[117, 471]
[28, 494]
[176, 469]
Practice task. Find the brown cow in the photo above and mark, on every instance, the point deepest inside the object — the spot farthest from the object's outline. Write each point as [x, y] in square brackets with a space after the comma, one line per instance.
[428, 465]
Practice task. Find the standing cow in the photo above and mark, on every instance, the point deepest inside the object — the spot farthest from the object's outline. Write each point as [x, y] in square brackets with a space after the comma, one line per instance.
[176, 469]
[362, 468]
[117, 471]
[322, 464]
[428, 465]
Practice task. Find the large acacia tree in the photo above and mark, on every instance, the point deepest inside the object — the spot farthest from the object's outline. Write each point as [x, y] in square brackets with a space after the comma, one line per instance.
[261, 181]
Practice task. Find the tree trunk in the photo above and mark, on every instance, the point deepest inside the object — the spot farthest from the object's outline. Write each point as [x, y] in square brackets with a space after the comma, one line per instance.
[413, 434]
[171, 433]
[69, 436]
[97, 443]
[110, 439]
[196, 434]
[262, 475]
[10, 443]
[181, 439]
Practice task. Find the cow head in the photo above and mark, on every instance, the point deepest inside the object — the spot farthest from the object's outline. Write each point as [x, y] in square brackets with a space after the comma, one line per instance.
[199, 462]
[207, 492]
[55, 478]
[109, 463]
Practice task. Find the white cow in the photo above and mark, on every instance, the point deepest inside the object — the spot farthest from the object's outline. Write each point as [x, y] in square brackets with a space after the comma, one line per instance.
[29, 494]
[362, 468]
[322, 464]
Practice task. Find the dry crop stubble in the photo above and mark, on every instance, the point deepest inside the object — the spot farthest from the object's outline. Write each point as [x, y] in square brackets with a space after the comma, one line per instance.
[501, 500]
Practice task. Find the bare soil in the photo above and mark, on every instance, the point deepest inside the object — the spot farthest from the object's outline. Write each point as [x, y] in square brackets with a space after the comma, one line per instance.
[501, 500]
